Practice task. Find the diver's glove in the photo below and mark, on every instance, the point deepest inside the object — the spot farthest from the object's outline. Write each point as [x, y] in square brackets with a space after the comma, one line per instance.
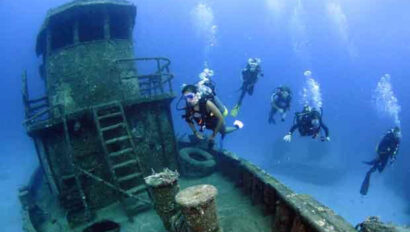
[325, 139]
[199, 135]
[238, 124]
[288, 137]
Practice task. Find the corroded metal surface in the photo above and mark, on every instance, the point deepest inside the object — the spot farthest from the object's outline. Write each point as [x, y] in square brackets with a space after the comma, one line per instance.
[199, 208]
[164, 187]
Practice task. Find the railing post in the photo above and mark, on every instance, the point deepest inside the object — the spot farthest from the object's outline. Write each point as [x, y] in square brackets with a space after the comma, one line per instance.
[107, 32]
[24, 91]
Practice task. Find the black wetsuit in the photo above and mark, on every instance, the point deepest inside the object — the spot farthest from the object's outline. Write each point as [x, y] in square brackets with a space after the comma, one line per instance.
[281, 102]
[303, 122]
[387, 149]
[249, 79]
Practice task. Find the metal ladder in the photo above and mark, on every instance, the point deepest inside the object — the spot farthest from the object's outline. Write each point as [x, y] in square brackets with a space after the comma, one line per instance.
[121, 158]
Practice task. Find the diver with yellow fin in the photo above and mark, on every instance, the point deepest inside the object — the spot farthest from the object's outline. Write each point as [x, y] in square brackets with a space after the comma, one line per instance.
[250, 76]
[206, 115]
[386, 149]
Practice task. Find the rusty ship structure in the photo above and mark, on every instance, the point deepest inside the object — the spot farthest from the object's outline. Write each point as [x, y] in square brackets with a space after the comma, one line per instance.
[109, 158]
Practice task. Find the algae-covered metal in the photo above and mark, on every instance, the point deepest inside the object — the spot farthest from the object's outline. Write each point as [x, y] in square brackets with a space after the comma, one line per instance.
[105, 123]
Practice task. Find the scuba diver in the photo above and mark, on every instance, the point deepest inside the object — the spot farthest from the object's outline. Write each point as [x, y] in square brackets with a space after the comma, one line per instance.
[205, 113]
[206, 87]
[309, 123]
[386, 149]
[280, 101]
[250, 76]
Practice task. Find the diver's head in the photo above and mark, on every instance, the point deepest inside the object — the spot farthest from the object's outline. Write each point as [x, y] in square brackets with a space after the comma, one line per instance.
[397, 132]
[191, 95]
[307, 108]
[206, 74]
[284, 91]
[253, 63]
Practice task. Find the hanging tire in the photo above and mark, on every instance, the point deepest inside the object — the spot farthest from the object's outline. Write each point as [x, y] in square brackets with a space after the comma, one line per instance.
[195, 162]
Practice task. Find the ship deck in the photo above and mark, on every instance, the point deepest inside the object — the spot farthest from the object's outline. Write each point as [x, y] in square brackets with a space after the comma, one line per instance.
[235, 210]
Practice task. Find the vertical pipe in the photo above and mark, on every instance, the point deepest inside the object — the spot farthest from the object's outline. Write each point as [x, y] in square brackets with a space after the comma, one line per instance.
[199, 208]
[107, 33]
[76, 32]
[164, 187]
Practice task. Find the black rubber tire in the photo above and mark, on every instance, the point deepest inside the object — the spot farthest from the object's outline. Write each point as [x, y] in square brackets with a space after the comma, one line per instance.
[195, 162]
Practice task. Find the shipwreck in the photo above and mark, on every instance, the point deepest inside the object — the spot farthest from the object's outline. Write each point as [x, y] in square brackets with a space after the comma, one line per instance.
[109, 158]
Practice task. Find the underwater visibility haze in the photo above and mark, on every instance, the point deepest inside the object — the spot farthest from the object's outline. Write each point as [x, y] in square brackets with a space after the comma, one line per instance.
[347, 59]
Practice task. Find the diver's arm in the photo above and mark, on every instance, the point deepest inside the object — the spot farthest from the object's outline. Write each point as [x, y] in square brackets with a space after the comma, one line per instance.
[193, 128]
[288, 136]
[273, 100]
[210, 106]
[293, 128]
[325, 128]
[260, 73]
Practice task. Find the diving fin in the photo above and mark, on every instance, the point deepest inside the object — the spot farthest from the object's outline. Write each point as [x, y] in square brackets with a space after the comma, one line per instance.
[235, 111]
[365, 184]
[225, 113]
[370, 162]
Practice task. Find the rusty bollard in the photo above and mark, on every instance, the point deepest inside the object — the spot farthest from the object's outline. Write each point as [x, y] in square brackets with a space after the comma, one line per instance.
[199, 208]
[164, 187]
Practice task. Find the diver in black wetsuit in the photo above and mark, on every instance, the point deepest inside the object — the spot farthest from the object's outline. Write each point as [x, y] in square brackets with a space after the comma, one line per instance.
[205, 114]
[309, 123]
[250, 76]
[280, 101]
[387, 149]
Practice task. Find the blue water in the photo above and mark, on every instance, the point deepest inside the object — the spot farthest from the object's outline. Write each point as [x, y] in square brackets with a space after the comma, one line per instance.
[348, 46]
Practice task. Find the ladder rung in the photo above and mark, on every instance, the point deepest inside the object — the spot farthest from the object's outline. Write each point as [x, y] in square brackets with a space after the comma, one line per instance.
[123, 164]
[122, 152]
[118, 139]
[109, 115]
[129, 177]
[136, 190]
[115, 126]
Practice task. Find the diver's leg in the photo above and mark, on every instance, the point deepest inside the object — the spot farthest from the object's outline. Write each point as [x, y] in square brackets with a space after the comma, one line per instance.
[250, 90]
[271, 114]
[220, 106]
[372, 162]
[382, 164]
[230, 129]
[235, 109]
[366, 182]
[241, 96]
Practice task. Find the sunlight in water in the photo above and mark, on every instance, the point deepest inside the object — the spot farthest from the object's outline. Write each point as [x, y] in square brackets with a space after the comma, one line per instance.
[385, 101]
[338, 17]
[311, 92]
[275, 5]
[204, 23]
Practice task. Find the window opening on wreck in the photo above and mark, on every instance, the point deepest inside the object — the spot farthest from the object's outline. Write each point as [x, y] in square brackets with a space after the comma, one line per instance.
[119, 24]
[62, 33]
[91, 26]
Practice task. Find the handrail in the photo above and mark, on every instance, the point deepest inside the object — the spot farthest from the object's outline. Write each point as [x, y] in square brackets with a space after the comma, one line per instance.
[156, 80]
[38, 114]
